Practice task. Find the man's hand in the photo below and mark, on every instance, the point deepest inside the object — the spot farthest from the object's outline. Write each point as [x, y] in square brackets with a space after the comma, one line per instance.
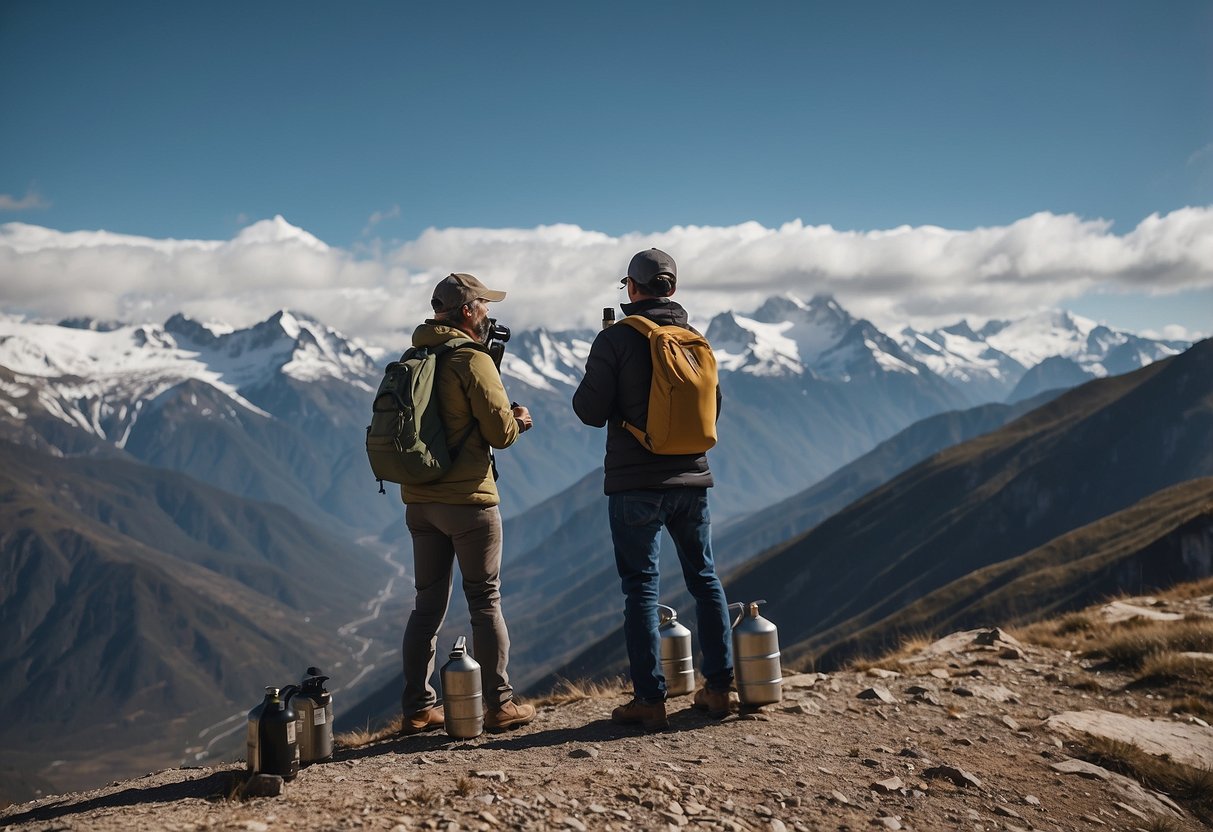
[523, 417]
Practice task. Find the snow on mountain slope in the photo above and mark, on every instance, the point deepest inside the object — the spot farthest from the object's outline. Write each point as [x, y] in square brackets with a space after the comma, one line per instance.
[864, 351]
[785, 336]
[545, 360]
[99, 379]
[99, 375]
[998, 355]
[286, 343]
[962, 357]
[1032, 339]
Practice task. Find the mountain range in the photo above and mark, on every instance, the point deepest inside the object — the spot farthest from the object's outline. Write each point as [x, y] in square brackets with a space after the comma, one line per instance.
[188, 514]
[275, 411]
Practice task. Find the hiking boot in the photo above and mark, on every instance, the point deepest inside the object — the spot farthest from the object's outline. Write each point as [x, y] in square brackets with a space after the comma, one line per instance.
[426, 720]
[715, 702]
[648, 715]
[509, 715]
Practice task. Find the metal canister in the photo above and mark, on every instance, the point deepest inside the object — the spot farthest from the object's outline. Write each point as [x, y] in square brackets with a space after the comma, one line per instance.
[756, 657]
[462, 700]
[272, 744]
[314, 706]
[676, 662]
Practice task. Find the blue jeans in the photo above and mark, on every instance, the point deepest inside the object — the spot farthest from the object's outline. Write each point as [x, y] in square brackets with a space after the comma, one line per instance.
[636, 521]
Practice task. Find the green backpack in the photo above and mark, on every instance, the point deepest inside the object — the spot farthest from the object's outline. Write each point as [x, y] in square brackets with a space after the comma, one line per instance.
[406, 441]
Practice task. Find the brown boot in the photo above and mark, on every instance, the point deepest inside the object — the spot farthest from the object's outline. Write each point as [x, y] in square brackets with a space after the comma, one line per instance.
[648, 715]
[510, 715]
[715, 702]
[426, 720]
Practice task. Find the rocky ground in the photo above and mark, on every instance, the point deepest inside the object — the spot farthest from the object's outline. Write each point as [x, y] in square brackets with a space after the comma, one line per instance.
[978, 731]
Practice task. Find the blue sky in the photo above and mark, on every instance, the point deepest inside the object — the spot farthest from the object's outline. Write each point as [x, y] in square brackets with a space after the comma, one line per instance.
[366, 123]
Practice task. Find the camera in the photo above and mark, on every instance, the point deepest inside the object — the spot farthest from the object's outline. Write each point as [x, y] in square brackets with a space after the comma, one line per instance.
[498, 334]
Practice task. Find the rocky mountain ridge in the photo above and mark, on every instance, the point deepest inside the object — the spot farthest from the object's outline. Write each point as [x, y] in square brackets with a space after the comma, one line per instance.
[980, 730]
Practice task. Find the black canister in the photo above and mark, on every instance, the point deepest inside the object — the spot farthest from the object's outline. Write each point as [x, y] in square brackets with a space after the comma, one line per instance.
[272, 744]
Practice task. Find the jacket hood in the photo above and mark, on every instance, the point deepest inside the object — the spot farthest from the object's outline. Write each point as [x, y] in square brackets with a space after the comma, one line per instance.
[432, 333]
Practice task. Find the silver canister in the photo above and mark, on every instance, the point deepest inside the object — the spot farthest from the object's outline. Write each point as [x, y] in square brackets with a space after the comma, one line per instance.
[462, 699]
[676, 662]
[756, 657]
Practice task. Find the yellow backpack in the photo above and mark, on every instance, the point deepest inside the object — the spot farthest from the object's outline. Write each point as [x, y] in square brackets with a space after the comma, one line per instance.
[682, 397]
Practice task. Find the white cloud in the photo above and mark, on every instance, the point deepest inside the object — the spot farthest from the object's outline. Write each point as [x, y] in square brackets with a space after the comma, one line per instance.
[1174, 332]
[561, 275]
[379, 216]
[1201, 155]
[31, 201]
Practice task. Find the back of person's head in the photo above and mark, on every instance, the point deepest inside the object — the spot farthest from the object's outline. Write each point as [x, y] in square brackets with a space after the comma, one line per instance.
[654, 272]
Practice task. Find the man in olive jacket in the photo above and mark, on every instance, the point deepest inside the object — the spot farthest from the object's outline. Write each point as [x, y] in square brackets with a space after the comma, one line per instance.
[647, 491]
[457, 516]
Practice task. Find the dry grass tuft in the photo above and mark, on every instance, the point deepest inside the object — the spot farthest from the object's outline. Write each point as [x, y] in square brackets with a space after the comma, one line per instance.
[1194, 705]
[1062, 633]
[1177, 668]
[365, 736]
[567, 691]
[463, 786]
[909, 646]
[1193, 786]
[1192, 589]
[424, 797]
[1160, 824]
[1129, 644]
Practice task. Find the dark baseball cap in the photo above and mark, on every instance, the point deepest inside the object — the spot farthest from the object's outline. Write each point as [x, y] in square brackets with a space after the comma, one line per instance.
[646, 266]
[454, 290]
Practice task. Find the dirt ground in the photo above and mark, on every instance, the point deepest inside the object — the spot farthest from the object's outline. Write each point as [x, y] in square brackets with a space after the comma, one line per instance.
[952, 739]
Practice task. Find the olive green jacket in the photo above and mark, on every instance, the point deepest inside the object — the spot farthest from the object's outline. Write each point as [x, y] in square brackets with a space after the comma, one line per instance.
[469, 391]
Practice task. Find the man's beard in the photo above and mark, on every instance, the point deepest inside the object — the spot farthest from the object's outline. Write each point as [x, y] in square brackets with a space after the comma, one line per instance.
[482, 330]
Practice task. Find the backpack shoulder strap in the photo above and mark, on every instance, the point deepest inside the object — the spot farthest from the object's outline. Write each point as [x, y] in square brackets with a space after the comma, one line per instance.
[439, 350]
[639, 323]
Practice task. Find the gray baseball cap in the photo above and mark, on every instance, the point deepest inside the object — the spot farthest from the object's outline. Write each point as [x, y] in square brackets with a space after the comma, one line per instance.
[456, 289]
[649, 265]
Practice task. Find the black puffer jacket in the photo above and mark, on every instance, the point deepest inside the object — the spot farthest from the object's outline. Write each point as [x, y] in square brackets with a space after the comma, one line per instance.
[615, 388]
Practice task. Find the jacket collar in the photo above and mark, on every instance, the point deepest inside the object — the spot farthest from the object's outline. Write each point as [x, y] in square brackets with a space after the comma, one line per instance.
[660, 310]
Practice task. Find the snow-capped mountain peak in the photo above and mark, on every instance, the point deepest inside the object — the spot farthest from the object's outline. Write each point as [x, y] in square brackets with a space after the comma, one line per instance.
[784, 336]
[996, 357]
[100, 376]
[277, 231]
[545, 360]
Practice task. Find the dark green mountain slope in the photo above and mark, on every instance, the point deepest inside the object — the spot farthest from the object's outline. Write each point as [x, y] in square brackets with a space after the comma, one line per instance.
[1164, 539]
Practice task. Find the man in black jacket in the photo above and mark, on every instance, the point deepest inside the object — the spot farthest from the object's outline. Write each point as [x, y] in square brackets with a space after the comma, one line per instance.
[647, 491]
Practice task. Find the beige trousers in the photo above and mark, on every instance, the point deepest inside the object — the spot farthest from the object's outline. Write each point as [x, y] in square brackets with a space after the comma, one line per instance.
[441, 534]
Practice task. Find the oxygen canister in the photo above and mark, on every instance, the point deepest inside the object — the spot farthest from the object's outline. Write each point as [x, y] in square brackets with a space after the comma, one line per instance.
[756, 657]
[462, 700]
[676, 662]
[314, 706]
[272, 744]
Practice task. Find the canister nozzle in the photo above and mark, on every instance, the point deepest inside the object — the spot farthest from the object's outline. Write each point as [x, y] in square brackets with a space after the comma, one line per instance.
[314, 679]
[460, 649]
[666, 614]
[746, 610]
